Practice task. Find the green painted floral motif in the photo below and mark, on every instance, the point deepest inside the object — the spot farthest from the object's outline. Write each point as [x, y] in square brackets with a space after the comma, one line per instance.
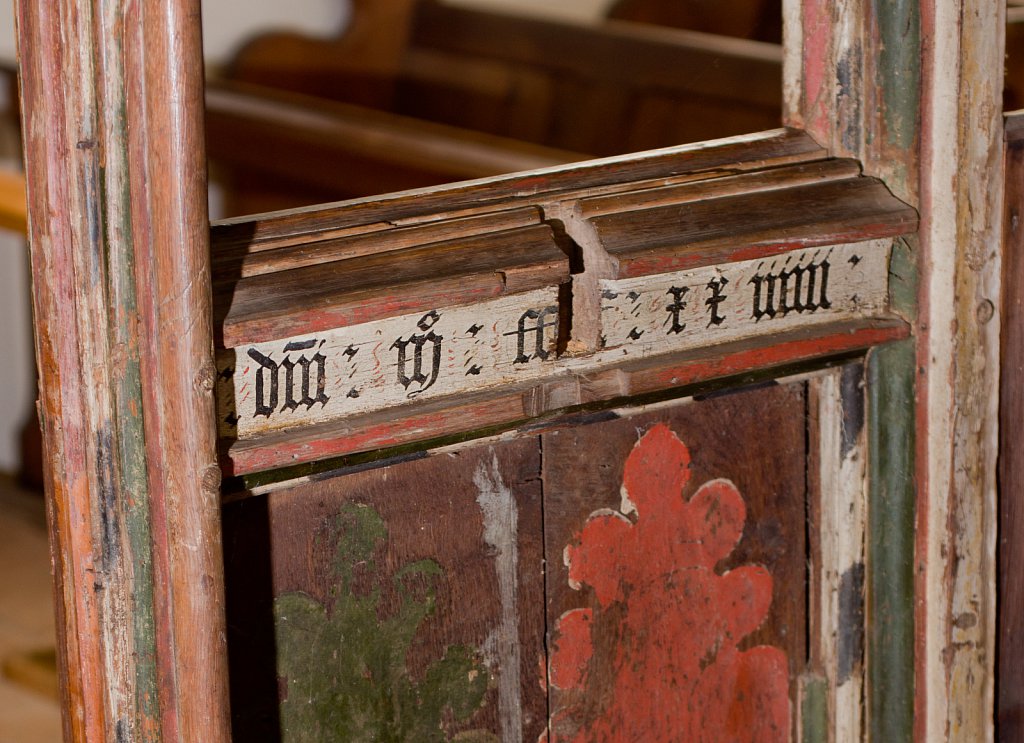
[345, 664]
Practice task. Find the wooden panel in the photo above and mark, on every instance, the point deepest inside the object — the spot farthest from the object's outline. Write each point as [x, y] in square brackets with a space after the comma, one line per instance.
[1010, 700]
[407, 603]
[666, 629]
[344, 371]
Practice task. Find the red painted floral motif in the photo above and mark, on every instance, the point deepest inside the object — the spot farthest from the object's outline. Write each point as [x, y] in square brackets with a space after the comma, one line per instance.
[664, 623]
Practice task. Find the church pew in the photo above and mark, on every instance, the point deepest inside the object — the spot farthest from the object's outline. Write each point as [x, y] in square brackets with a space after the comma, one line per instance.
[760, 20]
[603, 89]
[275, 150]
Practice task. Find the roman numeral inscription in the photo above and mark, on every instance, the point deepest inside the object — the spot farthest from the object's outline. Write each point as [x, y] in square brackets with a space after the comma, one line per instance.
[715, 304]
[458, 350]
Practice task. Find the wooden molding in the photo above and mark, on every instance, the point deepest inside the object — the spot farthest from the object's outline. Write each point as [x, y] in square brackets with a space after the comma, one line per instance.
[546, 291]
[116, 182]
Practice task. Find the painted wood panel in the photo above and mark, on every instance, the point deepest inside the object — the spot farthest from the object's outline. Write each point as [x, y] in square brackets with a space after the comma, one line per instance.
[404, 603]
[373, 366]
[640, 605]
[310, 379]
[1010, 698]
[686, 309]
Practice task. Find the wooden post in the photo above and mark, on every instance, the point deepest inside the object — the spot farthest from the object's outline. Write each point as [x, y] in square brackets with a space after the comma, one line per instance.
[913, 89]
[112, 115]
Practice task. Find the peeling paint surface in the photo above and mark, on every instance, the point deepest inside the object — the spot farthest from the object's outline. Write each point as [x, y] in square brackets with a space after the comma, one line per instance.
[344, 666]
[663, 622]
[500, 528]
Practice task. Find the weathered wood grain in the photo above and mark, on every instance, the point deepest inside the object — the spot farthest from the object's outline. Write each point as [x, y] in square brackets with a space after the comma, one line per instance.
[112, 102]
[764, 149]
[913, 90]
[855, 83]
[726, 437]
[1010, 699]
[422, 561]
[241, 260]
[740, 226]
[962, 200]
[658, 268]
[333, 294]
[717, 185]
[837, 516]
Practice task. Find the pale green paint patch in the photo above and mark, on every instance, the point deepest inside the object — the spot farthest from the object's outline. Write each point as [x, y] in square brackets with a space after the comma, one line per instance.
[899, 68]
[814, 711]
[903, 277]
[345, 666]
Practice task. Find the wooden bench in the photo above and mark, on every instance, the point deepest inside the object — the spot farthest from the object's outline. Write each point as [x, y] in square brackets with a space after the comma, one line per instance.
[275, 150]
[602, 89]
[760, 20]
[420, 93]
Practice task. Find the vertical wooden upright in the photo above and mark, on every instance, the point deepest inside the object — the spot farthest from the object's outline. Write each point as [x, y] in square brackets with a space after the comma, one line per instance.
[913, 89]
[113, 111]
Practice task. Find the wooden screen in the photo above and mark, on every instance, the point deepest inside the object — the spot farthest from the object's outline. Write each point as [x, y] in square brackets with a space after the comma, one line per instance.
[513, 461]
[476, 592]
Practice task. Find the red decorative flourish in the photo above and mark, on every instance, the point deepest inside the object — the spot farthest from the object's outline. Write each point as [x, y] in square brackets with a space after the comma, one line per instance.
[664, 622]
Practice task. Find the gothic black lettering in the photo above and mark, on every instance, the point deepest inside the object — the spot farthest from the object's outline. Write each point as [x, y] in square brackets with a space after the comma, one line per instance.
[799, 289]
[305, 366]
[540, 322]
[718, 295]
[266, 384]
[419, 342]
[296, 391]
[677, 306]
[764, 296]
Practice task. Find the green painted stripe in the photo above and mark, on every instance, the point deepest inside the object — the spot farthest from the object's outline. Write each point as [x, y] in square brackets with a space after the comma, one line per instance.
[130, 436]
[814, 711]
[899, 68]
[891, 515]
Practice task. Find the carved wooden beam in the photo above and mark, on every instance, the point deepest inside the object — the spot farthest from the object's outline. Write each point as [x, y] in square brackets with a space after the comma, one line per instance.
[409, 323]
[112, 118]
